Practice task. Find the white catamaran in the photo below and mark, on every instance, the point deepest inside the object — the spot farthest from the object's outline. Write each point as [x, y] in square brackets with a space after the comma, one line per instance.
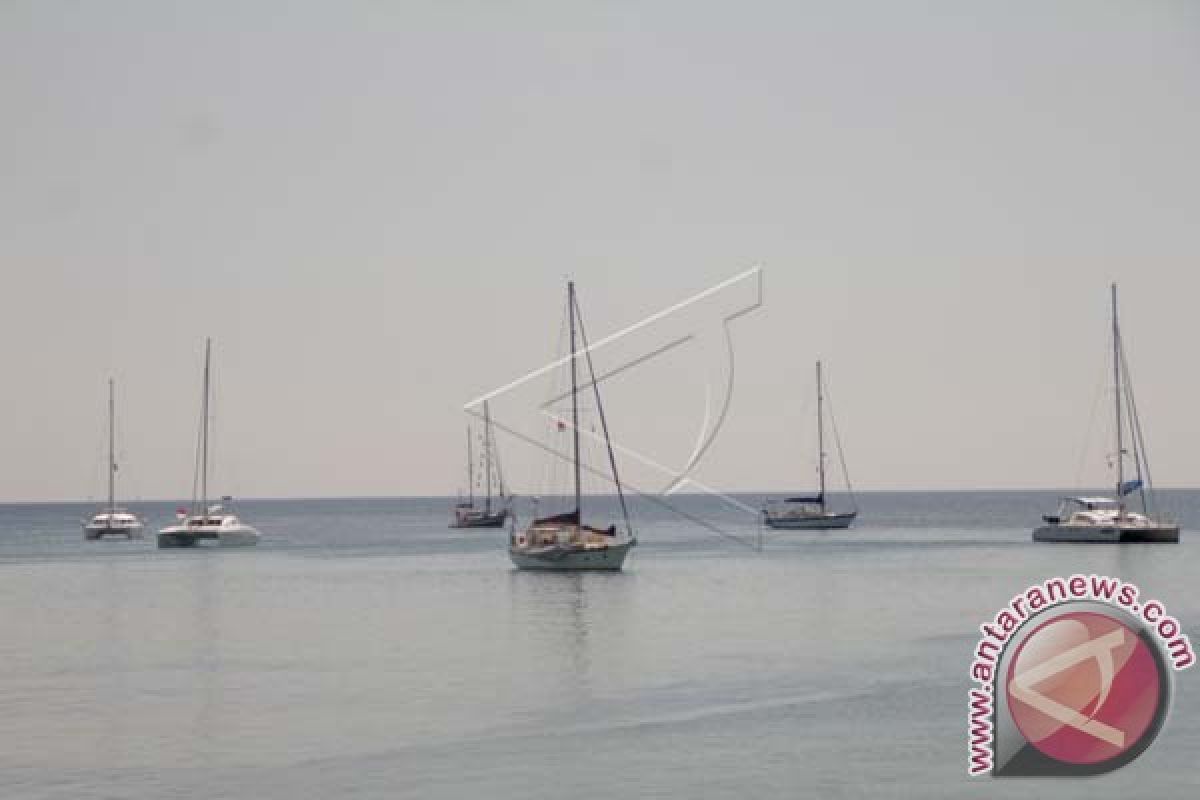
[563, 541]
[112, 520]
[812, 512]
[466, 515]
[1108, 519]
[205, 524]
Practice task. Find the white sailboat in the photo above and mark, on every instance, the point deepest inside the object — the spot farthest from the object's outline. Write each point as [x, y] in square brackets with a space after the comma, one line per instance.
[205, 524]
[1109, 519]
[563, 541]
[112, 521]
[812, 512]
[466, 515]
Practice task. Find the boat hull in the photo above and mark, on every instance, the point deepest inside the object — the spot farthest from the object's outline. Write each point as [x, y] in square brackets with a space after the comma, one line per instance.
[610, 558]
[481, 520]
[1106, 534]
[97, 532]
[182, 537]
[814, 522]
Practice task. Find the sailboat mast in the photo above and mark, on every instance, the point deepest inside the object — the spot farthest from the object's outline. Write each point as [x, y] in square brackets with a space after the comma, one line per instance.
[112, 456]
[1116, 333]
[204, 430]
[574, 399]
[487, 457]
[821, 436]
[470, 469]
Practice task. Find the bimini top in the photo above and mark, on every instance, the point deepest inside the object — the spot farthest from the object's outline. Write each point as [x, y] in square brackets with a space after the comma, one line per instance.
[1092, 503]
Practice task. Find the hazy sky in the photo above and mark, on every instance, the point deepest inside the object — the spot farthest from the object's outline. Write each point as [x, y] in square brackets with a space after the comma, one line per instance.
[371, 207]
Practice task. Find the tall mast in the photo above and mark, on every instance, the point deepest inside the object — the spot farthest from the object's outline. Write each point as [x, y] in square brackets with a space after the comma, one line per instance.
[820, 435]
[487, 457]
[112, 457]
[1116, 332]
[204, 430]
[574, 400]
[470, 469]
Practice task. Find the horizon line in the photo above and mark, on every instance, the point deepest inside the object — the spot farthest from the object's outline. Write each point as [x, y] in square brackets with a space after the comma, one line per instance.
[934, 490]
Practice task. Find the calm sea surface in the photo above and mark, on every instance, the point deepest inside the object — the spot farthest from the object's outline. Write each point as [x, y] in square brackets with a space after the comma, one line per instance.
[365, 650]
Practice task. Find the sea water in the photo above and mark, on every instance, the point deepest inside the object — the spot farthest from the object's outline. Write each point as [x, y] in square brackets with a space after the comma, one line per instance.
[365, 649]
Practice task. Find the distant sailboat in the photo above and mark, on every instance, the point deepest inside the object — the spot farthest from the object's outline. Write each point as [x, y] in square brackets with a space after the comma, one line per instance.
[205, 524]
[112, 521]
[466, 515]
[811, 512]
[1105, 519]
[563, 541]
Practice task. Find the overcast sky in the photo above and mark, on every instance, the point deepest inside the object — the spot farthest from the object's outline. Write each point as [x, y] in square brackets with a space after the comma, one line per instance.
[372, 207]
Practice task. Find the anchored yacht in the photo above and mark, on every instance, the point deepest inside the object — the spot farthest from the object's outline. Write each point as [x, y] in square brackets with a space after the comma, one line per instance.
[467, 515]
[204, 523]
[563, 541]
[812, 512]
[112, 521]
[1109, 519]
[1102, 519]
[215, 525]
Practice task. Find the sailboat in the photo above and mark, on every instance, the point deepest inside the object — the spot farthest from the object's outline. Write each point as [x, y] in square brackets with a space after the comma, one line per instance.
[812, 512]
[1109, 519]
[466, 515]
[111, 520]
[202, 523]
[564, 541]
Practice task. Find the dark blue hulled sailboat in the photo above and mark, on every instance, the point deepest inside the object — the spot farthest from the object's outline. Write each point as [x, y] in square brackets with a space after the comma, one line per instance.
[812, 512]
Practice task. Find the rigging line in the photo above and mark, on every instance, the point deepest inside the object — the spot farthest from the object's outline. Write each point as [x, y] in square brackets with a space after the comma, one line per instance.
[1085, 450]
[657, 500]
[637, 362]
[612, 460]
[206, 426]
[112, 448]
[196, 463]
[571, 306]
[553, 464]
[1140, 465]
[837, 439]
[1141, 459]
[660, 468]
[650, 320]
[652, 497]
[214, 437]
